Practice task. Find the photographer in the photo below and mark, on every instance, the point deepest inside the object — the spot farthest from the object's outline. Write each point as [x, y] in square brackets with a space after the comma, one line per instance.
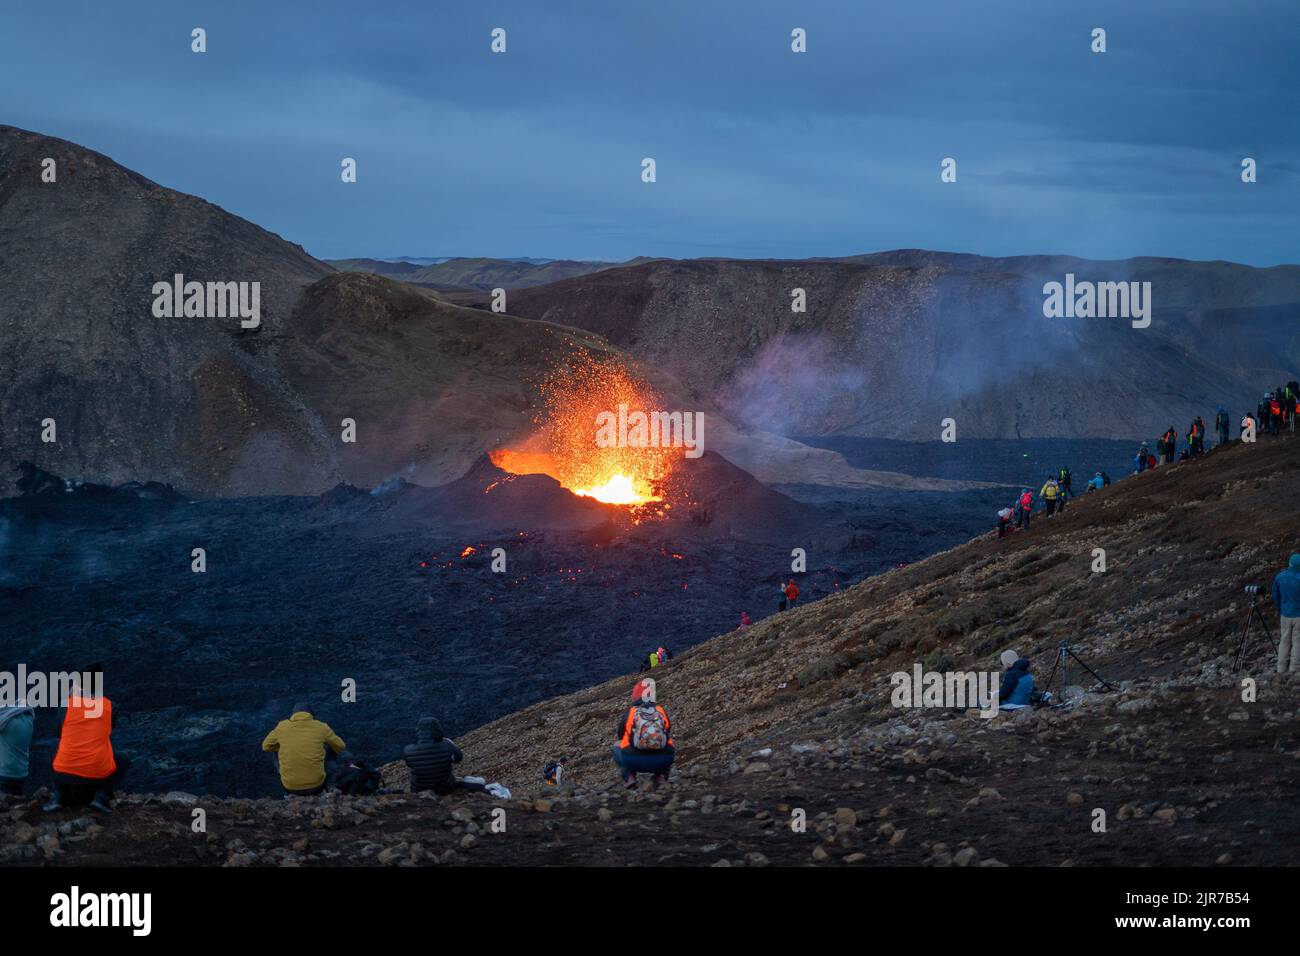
[1286, 598]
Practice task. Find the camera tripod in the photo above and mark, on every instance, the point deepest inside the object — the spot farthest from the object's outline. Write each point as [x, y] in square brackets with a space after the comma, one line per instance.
[1063, 657]
[1253, 616]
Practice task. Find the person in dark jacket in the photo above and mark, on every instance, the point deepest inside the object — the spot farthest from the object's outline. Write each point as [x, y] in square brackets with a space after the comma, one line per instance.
[1222, 424]
[645, 739]
[430, 759]
[1017, 683]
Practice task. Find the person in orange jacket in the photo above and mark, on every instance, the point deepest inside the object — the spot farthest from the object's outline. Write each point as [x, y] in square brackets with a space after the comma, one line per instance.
[791, 593]
[645, 743]
[86, 770]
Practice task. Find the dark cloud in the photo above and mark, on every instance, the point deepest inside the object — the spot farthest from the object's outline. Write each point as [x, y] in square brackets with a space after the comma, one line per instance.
[760, 151]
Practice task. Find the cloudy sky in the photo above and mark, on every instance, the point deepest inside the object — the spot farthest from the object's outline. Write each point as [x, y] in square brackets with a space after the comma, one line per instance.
[760, 152]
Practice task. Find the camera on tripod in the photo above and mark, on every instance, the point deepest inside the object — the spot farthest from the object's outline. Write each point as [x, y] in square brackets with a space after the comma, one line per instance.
[1254, 588]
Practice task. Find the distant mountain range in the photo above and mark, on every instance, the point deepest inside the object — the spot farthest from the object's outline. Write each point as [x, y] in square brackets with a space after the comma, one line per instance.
[890, 345]
[473, 274]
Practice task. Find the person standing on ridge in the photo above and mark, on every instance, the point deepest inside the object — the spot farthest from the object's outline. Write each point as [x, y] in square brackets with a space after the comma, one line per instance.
[1049, 493]
[1222, 424]
[1065, 479]
[1024, 509]
[791, 593]
[1286, 598]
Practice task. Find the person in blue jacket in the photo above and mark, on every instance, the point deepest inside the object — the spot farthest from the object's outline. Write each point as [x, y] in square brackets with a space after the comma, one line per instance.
[1286, 598]
[1096, 482]
[1017, 682]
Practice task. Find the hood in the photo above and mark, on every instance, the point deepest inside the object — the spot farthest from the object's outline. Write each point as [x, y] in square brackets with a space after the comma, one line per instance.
[644, 691]
[14, 710]
[428, 729]
[1294, 563]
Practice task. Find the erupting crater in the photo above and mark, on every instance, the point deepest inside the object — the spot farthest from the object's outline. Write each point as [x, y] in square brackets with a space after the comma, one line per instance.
[571, 446]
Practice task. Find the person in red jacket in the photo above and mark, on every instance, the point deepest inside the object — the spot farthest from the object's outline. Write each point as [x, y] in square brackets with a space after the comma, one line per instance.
[791, 593]
[86, 770]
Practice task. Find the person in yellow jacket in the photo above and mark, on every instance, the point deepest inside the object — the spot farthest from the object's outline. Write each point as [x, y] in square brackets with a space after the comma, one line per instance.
[300, 743]
[1050, 493]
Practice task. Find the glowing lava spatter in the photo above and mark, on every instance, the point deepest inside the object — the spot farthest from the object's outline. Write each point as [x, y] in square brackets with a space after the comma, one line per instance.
[566, 446]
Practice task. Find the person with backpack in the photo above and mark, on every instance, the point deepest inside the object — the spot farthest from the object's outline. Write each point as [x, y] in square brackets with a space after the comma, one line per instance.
[1049, 493]
[15, 746]
[358, 779]
[791, 593]
[1171, 444]
[650, 661]
[86, 770]
[1024, 508]
[553, 772]
[1222, 424]
[430, 760]
[645, 740]
[1065, 480]
[299, 745]
[1004, 522]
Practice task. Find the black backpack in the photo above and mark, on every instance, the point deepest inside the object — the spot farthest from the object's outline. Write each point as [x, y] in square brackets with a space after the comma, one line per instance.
[358, 779]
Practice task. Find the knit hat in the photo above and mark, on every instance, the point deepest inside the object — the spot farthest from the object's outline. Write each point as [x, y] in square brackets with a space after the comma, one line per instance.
[1009, 658]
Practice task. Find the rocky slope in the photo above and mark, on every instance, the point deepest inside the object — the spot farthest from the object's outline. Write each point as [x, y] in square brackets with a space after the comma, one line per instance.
[794, 714]
[893, 343]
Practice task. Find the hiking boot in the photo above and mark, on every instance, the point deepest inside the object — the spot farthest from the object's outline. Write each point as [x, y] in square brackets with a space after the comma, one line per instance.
[630, 781]
[100, 805]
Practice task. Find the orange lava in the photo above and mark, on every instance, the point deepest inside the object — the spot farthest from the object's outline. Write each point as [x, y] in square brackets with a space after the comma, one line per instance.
[565, 446]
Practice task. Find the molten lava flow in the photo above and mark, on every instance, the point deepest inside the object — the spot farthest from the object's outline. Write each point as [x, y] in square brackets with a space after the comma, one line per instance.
[619, 490]
[566, 446]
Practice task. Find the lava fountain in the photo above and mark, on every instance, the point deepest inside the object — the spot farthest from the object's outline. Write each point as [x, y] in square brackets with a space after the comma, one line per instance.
[566, 445]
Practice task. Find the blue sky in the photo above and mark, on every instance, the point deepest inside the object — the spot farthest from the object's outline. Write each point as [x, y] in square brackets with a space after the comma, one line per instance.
[760, 152]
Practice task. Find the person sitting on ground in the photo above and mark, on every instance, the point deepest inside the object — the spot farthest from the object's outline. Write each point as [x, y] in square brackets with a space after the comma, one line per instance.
[1096, 482]
[1004, 522]
[1017, 683]
[299, 744]
[553, 772]
[1286, 598]
[645, 742]
[15, 746]
[86, 770]
[430, 760]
